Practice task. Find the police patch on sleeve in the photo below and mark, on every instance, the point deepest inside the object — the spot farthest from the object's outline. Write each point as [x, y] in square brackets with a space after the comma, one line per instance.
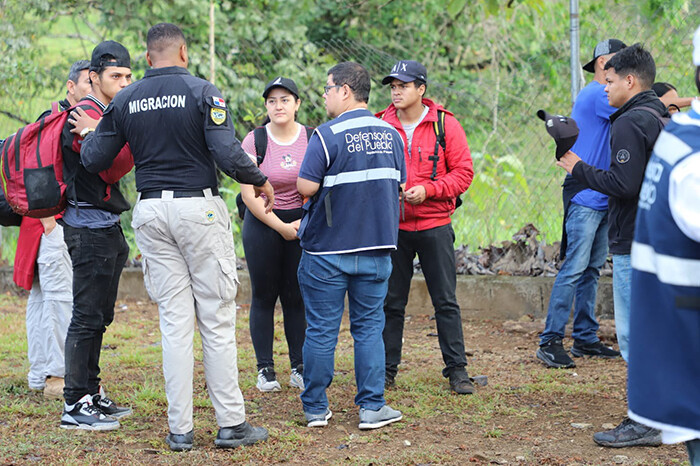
[623, 156]
[217, 115]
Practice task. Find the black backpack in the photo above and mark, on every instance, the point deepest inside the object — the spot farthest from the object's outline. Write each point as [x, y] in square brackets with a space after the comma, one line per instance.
[260, 137]
[439, 128]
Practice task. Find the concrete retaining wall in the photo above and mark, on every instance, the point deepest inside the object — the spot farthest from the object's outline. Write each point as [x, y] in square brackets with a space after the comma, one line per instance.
[481, 297]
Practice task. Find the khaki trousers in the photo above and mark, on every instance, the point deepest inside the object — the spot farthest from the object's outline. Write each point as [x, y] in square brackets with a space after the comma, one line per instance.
[189, 266]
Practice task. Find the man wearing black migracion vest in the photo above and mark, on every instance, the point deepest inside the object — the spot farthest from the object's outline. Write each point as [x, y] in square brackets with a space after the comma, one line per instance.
[179, 128]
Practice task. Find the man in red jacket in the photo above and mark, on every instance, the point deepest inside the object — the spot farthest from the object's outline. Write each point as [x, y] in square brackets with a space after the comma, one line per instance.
[435, 177]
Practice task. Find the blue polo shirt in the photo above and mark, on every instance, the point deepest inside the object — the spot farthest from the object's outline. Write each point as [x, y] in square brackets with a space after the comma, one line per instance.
[592, 114]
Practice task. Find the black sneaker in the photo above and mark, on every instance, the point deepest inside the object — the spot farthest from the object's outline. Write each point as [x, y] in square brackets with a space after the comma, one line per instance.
[629, 434]
[460, 381]
[180, 442]
[242, 434]
[553, 354]
[597, 349]
[108, 406]
[84, 415]
[389, 380]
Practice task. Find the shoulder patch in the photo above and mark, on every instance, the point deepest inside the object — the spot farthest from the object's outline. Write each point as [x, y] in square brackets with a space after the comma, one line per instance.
[218, 102]
[217, 115]
[622, 156]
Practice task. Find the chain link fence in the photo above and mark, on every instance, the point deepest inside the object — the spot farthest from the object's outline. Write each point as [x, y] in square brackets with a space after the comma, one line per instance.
[516, 183]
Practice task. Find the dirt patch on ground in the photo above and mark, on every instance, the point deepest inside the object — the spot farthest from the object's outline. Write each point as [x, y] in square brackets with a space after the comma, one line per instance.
[526, 415]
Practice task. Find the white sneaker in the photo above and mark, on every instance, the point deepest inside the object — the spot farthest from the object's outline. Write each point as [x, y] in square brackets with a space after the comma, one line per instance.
[296, 378]
[267, 380]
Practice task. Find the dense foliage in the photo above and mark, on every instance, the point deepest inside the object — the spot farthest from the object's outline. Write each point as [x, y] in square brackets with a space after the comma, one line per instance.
[493, 63]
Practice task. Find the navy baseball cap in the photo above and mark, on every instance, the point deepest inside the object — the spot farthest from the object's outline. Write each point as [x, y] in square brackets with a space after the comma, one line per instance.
[563, 129]
[407, 71]
[109, 53]
[603, 48]
[284, 83]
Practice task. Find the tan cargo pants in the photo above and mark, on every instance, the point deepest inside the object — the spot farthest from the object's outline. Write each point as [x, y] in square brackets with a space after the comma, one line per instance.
[189, 266]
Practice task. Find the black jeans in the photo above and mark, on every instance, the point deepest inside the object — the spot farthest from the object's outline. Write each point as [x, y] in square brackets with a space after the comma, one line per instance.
[98, 257]
[272, 264]
[437, 258]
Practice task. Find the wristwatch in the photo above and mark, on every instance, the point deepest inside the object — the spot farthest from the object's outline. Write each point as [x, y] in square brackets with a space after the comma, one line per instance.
[85, 131]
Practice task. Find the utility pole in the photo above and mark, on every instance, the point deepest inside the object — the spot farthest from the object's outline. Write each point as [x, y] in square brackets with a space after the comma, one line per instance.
[575, 46]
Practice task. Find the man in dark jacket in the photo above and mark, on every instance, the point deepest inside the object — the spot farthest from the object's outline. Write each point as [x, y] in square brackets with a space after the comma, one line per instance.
[635, 126]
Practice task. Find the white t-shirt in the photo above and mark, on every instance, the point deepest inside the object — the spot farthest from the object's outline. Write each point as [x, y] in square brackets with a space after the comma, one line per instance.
[410, 128]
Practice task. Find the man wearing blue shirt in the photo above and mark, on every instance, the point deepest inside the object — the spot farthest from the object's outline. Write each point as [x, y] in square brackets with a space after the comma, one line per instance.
[352, 172]
[585, 232]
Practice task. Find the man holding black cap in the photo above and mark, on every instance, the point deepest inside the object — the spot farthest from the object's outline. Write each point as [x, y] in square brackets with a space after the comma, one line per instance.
[436, 174]
[98, 251]
[635, 125]
[179, 128]
[584, 242]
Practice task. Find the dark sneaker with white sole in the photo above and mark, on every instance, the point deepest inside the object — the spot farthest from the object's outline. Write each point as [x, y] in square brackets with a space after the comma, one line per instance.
[180, 442]
[242, 434]
[554, 355]
[597, 350]
[83, 415]
[108, 406]
[629, 434]
[375, 419]
[318, 420]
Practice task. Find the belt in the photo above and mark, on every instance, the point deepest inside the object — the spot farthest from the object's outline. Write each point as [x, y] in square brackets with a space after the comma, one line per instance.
[177, 194]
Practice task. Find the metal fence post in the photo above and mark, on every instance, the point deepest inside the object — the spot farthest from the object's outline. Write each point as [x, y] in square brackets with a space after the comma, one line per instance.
[574, 30]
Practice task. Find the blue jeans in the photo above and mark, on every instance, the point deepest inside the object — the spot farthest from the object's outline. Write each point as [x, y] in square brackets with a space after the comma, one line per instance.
[587, 232]
[622, 295]
[324, 281]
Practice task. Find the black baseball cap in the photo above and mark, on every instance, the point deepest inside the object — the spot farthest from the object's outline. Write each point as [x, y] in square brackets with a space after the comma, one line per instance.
[563, 129]
[603, 48]
[284, 83]
[407, 71]
[101, 55]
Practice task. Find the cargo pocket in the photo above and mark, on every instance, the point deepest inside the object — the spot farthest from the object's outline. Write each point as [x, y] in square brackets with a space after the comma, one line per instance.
[147, 283]
[55, 269]
[228, 279]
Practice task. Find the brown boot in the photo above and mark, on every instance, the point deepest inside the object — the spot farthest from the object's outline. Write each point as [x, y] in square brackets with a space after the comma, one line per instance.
[54, 387]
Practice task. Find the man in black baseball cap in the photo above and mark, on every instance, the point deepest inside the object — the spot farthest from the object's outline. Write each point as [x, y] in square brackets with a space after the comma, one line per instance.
[605, 47]
[584, 242]
[284, 83]
[109, 53]
[96, 245]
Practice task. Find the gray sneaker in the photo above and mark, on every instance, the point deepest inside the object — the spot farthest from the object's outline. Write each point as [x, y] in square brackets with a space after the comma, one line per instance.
[375, 419]
[318, 420]
[296, 378]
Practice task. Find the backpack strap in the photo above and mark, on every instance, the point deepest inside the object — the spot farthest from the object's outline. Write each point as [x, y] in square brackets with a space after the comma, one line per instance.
[260, 136]
[439, 128]
[653, 111]
[309, 132]
[55, 108]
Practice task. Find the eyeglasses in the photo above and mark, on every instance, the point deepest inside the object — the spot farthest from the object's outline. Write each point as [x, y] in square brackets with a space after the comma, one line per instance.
[328, 88]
